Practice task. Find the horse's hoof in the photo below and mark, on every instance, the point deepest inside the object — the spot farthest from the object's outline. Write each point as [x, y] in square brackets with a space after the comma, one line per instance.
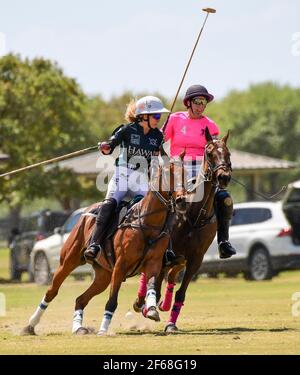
[137, 308]
[28, 331]
[82, 331]
[153, 314]
[171, 328]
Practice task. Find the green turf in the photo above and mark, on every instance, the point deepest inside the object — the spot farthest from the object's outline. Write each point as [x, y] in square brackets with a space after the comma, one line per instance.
[220, 316]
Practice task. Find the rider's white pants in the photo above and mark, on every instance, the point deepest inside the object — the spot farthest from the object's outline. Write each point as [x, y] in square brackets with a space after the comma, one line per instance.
[127, 182]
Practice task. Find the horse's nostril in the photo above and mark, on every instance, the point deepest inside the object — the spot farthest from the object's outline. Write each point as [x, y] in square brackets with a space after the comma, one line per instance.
[224, 178]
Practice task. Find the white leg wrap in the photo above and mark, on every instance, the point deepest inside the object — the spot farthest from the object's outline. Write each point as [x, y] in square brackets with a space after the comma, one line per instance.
[77, 320]
[151, 298]
[105, 321]
[35, 318]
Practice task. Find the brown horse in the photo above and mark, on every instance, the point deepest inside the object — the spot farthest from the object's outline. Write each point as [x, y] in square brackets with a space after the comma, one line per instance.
[192, 237]
[138, 245]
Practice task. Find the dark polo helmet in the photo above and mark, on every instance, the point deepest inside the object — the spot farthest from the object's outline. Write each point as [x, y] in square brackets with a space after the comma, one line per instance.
[197, 90]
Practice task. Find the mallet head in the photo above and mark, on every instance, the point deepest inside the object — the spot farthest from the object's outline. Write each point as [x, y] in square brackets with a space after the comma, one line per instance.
[209, 10]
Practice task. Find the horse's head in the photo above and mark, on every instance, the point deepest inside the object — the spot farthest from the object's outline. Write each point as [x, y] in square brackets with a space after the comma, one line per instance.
[217, 162]
[171, 180]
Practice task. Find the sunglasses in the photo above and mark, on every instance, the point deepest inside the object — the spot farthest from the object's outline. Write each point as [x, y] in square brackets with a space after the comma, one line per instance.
[199, 101]
[156, 116]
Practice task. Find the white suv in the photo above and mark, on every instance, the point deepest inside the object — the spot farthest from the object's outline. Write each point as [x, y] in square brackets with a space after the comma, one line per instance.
[45, 255]
[262, 237]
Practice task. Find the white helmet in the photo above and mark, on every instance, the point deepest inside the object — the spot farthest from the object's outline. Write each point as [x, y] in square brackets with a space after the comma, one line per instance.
[149, 105]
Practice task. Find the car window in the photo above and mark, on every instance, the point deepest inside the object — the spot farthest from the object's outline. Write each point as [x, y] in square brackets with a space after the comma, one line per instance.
[29, 224]
[43, 222]
[53, 220]
[294, 196]
[243, 216]
[71, 222]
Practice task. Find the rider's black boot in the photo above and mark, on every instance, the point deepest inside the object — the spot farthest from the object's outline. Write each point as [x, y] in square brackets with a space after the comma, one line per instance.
[105, 213]
[171, 259]
[224, 210]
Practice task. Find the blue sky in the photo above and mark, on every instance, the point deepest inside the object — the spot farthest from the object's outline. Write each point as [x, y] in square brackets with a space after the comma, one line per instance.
[112, 46]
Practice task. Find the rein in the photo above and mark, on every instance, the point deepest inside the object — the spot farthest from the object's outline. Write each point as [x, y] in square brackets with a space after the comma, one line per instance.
[169, 207]
[207, 177]
[261, 195]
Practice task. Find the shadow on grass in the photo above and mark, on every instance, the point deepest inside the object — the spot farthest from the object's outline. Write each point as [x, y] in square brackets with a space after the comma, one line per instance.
[212, 331]
[9, 281]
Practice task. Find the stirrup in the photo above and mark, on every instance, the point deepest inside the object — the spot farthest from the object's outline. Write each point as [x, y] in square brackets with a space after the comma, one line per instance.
[170, 258]
[92, 251]
[226, 250]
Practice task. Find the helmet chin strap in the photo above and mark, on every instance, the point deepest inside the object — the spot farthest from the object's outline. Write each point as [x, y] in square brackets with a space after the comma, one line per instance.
[190, 106]
[141, 119]
[148, 122]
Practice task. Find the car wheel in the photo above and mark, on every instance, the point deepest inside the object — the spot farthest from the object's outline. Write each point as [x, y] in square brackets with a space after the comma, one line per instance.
[260, 267]
[41, 271]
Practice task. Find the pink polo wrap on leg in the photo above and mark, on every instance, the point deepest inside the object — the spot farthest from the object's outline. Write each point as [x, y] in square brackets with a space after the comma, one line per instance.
[142, 286]
[175, 312]
[167, 302]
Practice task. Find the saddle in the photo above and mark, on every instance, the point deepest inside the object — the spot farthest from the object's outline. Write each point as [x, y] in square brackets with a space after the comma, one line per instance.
[121, 212]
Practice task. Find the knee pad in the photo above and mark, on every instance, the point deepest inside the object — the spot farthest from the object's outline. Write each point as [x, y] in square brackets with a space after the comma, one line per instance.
[223, 204]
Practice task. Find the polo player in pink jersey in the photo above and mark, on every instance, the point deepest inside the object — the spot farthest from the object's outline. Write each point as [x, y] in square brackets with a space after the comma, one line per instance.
[186, 130]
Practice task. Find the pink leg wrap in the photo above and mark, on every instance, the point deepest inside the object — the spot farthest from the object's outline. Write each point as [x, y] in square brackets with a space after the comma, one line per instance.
[175, 312]
[167, 302]
[142, 286]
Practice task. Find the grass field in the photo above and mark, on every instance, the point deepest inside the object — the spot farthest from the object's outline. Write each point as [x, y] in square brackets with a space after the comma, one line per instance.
[223, 316]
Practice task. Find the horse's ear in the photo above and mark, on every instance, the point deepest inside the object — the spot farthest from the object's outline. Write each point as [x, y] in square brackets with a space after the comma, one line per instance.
[225, 138]
[162, 151]
[182, 154]
[208, 135]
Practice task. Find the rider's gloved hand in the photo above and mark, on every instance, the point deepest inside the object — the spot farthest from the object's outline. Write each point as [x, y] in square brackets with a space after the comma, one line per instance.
[104, 147]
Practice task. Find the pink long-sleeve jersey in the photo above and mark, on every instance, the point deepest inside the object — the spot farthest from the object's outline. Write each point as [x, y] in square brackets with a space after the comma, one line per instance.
[189, 134]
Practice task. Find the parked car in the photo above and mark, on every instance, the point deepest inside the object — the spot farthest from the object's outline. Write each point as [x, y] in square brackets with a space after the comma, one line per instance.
[32, 228]
[262, 237]
[291, 208]
[45, 255]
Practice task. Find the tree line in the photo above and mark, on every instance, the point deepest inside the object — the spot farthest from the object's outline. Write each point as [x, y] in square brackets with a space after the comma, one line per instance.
[44, 114]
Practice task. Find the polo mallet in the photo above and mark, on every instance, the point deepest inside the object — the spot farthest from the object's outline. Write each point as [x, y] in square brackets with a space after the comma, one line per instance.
[208, 11]
[80, 152]
[60, 158]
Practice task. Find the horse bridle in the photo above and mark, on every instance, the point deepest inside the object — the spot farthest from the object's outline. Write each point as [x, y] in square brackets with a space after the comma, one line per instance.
[168, 203]
[214, 168]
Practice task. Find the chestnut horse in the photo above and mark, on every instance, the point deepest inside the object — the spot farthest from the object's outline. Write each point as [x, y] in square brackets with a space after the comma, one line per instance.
[138, 245]
[192, 237]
